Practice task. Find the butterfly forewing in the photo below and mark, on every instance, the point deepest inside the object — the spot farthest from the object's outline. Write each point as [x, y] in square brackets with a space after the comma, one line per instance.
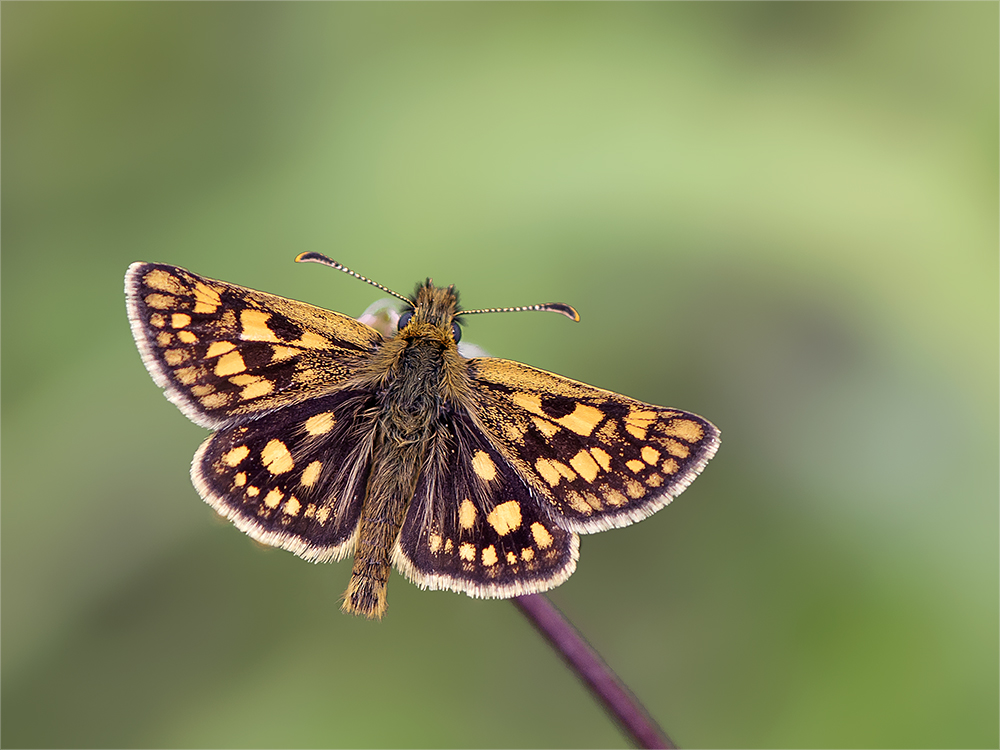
[600, 459]
[294, 478]
[224, 353]
[475, 526]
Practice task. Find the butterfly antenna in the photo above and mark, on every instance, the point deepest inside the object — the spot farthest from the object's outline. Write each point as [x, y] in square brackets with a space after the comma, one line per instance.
[558, 307]
[323, 260]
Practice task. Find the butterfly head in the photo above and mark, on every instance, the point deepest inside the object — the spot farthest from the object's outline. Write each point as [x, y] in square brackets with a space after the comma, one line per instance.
[433, 311]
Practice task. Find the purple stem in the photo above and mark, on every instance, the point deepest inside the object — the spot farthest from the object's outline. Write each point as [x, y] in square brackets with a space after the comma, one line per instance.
[603, 683]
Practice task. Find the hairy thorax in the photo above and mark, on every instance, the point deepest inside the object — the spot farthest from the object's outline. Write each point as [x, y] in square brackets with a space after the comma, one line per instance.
[418, 376]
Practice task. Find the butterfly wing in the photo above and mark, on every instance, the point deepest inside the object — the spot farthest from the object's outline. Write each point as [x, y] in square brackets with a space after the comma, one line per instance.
[225, 354]
[474, 525]
[599, 459]
[295, 478]
[290, 460]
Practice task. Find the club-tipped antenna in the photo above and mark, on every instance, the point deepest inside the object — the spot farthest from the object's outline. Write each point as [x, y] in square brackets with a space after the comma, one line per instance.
[558, 307]
[323, 260]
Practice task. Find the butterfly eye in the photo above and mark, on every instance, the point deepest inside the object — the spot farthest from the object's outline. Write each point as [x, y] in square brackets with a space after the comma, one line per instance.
[404, 319]
[456, 332]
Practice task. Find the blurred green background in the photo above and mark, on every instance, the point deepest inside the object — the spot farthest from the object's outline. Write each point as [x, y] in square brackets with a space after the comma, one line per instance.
[781, 216]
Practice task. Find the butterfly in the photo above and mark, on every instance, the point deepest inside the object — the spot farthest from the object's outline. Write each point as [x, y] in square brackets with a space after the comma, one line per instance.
[329, 438]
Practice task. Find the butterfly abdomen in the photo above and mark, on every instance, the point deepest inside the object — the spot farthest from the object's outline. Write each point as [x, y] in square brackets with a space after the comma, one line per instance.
[393, 478]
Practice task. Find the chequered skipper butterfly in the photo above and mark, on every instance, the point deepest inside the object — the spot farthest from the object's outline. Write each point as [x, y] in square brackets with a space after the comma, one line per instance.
[474, 475]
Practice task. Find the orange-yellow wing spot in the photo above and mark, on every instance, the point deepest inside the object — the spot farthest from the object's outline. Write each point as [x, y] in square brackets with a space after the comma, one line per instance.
[214, 400]
[320, 424]
[292, 507]
[685, 429]
[583, 420]
[564, 470]
[530, 402]
[615, 498]
[484, 467]
[310, 340]
[236, 455]
[638, 421]
[552, 471]
[176, 357]
[253, 386]
[272, 498]
[254, 326]
[466, 514]
[577, 503]
[311, 474]
[601, 457]
[276, 457]
[179, 320]
[547, 428]
[163, 280]
[256, 389]
[650, 455]
[514, 433]
[635, 465]
[467, 552]
[544, 467]
[608, 433]
[218, 348]
[187, 337]
[543, 538]
[188, 375]
[206, 299]
[230, 364]
[279, 353]
[585, 465]
[160, 301]
[505, 518]
[675, 448]
[434, 541]
[490, 556]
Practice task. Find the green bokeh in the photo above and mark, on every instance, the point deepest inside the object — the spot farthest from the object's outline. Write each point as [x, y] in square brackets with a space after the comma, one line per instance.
[783, 217]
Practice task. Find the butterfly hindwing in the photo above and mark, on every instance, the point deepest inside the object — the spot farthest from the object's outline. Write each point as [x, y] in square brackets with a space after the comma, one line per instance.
[295, 478]
[601, 460]
[224, 353]
[475, 526]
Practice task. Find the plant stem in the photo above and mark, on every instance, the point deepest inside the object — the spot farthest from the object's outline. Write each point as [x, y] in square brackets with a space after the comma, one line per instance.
[588, 665]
